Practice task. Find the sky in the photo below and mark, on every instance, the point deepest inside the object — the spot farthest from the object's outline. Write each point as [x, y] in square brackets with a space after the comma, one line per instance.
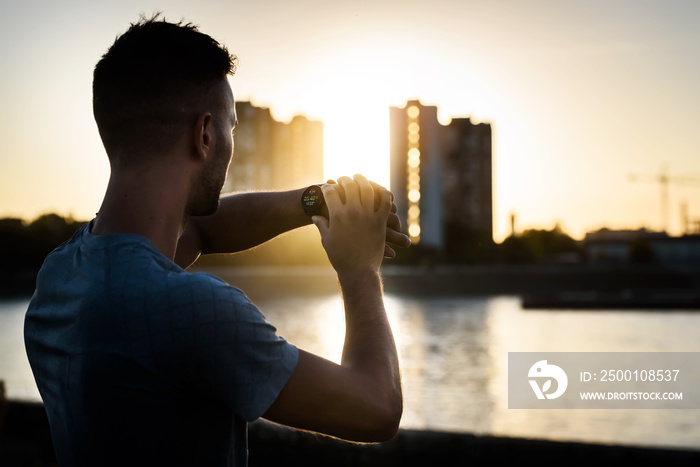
[580, 95]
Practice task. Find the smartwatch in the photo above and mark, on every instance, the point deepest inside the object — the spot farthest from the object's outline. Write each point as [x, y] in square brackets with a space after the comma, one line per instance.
[312, 201]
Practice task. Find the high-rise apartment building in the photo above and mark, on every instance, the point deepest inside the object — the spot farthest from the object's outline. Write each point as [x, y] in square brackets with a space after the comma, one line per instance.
[271, 155]
[441, 176]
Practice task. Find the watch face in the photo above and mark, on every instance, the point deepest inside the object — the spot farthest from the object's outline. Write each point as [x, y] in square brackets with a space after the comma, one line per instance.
[312, 199]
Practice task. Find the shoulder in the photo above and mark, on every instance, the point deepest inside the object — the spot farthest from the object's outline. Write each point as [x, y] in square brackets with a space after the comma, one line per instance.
[200, 287]
[209, 298]
[66, 248]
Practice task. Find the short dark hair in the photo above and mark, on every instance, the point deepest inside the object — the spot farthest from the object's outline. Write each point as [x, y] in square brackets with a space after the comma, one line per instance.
[150, 82]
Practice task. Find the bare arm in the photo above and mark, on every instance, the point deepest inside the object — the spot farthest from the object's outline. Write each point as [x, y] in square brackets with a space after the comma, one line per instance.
[243, 220]
[360, 399]
[246, 220]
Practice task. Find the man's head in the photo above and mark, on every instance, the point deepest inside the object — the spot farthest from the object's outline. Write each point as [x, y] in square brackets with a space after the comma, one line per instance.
[213, 144]
[153, 83]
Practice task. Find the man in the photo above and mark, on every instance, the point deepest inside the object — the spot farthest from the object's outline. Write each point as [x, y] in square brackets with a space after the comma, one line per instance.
[141, 363]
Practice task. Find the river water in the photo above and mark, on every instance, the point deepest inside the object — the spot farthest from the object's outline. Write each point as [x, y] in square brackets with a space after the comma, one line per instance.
[454, 358]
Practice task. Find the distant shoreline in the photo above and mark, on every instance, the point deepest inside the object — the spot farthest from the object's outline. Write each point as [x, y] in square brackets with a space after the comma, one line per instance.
[541, 281]
[470, 280]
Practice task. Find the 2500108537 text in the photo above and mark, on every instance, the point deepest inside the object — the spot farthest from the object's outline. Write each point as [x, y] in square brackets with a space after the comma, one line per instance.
[631, 375]
[604, 380]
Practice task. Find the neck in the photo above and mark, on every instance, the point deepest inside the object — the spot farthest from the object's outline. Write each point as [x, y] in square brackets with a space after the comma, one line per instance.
[150, 203]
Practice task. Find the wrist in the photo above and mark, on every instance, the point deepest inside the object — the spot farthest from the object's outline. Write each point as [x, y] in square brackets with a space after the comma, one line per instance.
[360, 279]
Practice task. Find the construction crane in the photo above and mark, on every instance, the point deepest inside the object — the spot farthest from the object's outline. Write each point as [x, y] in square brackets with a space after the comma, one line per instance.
[664, 180]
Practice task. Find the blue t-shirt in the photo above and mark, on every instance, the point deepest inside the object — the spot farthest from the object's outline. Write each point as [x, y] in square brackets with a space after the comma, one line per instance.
[141, 363]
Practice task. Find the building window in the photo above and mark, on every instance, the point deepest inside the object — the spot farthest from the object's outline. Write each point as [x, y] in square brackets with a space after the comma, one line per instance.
[413, 179]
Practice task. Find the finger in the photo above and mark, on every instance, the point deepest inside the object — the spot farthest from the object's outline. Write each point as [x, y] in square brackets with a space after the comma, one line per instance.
[341, 192]
[393, 222]
[397, 238]
[366, 191]
[377, 186]
[379, 192]
[330, 181]
[377, 195]
[384, 203]
[389, 252]
[352, 191]
[332, 198]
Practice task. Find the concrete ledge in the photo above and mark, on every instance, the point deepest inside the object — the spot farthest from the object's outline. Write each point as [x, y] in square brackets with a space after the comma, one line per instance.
[272, 445]
[25, 440]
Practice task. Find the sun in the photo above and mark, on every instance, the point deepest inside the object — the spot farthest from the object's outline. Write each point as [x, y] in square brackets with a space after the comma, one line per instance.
[351, 95]
[348, 151]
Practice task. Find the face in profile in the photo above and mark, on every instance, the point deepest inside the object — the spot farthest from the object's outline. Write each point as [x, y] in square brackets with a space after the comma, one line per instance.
[213, 175]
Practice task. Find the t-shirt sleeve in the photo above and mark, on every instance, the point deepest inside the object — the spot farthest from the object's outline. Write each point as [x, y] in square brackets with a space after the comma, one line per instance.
[239, 356]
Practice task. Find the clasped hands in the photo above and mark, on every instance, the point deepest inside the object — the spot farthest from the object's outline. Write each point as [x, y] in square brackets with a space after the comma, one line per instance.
[362, 209]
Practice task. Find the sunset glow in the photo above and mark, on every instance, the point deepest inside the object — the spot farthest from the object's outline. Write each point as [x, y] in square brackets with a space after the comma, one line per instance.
[579, 95]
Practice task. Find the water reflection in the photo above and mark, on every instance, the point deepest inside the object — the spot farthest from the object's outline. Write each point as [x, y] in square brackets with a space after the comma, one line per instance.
[445, 361]
[513, 330]
[316, 324]
[454, 359]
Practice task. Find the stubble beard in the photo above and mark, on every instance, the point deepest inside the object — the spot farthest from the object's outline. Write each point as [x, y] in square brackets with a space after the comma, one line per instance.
[207, 192]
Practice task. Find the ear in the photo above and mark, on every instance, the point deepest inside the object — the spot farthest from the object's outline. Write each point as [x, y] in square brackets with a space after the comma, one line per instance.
[203, 135]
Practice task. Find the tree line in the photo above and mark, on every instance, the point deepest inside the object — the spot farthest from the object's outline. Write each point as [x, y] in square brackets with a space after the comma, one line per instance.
[24, 245]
